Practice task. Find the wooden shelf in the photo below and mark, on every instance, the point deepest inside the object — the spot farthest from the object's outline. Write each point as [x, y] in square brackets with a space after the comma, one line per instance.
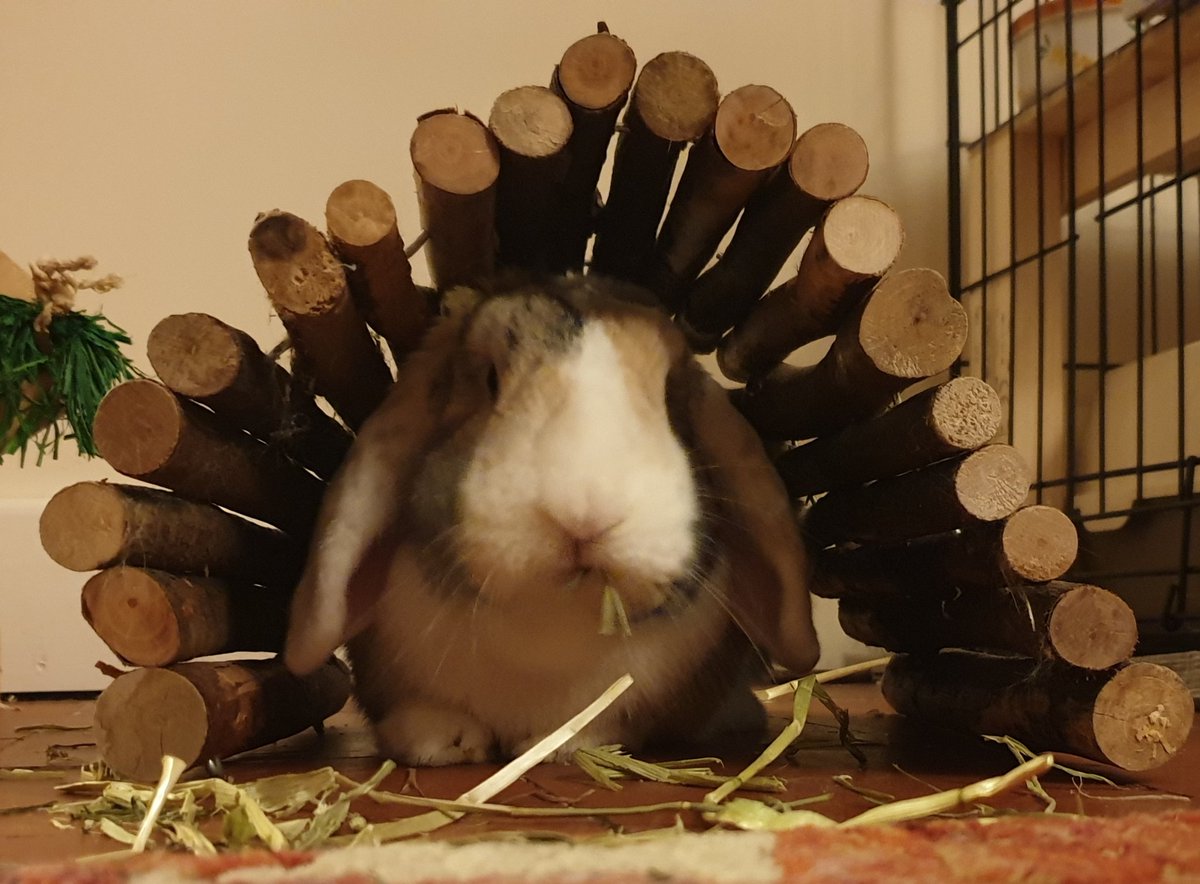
[1120, 77]
[1113, 125]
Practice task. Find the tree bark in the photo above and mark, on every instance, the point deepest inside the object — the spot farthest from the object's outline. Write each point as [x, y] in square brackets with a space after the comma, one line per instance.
[456, 163]
[858, 239]
[1136, 717]
[1077, 624]
[829, 162]
[152, 618]
[532, 126]
[594, 78]
[361, 220]
[93, 525]
[674, 101]
[306, 285]
[203, 710]
[907, 329]
[753, 131]
[146, 433]
[987, 485]
[1033, 545]
[948, 420]
[202, 358]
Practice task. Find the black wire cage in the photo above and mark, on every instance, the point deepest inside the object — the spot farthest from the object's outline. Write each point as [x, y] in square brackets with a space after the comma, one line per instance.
[1074, 152]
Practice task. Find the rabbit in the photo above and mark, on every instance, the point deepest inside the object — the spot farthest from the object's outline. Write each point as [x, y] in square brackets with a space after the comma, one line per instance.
[546, 447]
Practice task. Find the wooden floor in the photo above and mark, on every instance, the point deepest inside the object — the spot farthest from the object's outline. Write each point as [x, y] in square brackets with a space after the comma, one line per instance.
[904, 760]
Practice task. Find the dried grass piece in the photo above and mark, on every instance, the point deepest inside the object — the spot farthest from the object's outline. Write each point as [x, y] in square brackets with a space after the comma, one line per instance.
[613, 619]
[546, 746]
[940, 802]
[825, 677]
[24, 773]
[803, 699]
[172, 770]
[606, 764]
[746, 813]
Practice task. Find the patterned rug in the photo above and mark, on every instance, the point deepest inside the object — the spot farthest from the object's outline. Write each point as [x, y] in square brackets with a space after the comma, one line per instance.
[1134, 848]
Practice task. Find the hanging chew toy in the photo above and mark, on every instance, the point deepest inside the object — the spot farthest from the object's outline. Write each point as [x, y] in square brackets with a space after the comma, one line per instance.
[56, 363]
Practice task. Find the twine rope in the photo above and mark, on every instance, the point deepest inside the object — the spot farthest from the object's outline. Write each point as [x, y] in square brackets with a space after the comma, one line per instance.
[56, 284]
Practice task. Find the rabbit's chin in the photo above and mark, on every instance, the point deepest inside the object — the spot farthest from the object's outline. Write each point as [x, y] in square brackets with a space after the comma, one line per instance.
[606, 592]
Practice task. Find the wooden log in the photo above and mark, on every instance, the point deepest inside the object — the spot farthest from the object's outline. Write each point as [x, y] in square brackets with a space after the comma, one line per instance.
[202, 710]
[92, 525]
[753, 131]
[531, 125]
[1077, 624]
[1035, 544]
[145, 432]
[987, 485]
[950, 419]
[909, 328]
[202, 358]
[674, 101]
[152, 618]
[361, 220]
[829, 162]
[456, 163]
[1136, 717]
[307, 287]
[858, 239]
[594, 78]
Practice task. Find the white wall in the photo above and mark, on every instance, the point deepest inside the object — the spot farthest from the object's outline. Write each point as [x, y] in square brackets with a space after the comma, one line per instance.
[150, 134]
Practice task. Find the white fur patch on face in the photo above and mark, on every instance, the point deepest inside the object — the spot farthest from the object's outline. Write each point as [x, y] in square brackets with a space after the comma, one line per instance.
[581, 464]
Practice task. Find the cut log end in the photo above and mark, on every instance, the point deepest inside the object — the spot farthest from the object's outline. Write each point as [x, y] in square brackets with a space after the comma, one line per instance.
[359, 213]
[138, 427]
[299, 272]
[911, 327]
[1039, 543]
[129, 609]
[991, 483]
[176, 341]
[278, 236]
[862, 235]
[755, 128]
[83, 527]
[676, 96]
[531, 121]
[146, 714]
[965, 413]
[1142, 716]
[597, 71]
[455, 153]
[829, 162]
[1092, 628]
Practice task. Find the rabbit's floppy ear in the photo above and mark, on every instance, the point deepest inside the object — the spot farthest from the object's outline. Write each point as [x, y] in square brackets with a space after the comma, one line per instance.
[769, 568]
[358, 526]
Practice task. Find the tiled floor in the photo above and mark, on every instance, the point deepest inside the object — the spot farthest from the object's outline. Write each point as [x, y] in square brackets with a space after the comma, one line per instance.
[904, 760]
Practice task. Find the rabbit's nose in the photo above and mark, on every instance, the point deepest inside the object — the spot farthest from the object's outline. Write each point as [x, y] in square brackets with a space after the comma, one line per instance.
[584, 536]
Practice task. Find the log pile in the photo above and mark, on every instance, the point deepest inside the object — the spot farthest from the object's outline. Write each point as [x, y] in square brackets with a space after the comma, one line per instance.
[919, 521]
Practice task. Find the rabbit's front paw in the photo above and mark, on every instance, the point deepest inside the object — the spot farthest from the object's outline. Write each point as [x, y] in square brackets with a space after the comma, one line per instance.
[422, 733]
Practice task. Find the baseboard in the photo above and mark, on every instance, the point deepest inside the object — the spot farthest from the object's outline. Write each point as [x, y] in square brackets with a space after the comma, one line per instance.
[45, 644]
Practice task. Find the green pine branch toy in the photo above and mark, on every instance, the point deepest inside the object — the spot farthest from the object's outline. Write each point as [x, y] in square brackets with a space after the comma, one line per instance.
[56, 363]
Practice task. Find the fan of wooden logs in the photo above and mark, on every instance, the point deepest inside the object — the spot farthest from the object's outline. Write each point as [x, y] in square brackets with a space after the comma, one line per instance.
[919, 523]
